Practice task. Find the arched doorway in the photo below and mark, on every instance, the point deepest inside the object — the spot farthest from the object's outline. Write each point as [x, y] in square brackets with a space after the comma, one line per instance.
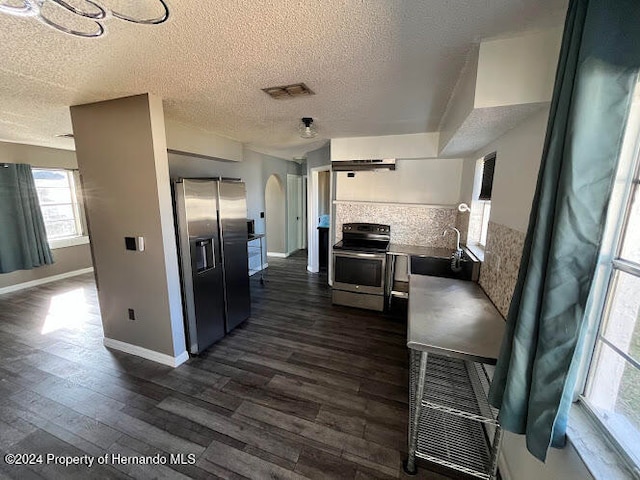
[275, 212]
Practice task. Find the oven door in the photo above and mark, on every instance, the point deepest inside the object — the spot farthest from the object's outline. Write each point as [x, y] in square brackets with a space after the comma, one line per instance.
[359, 271]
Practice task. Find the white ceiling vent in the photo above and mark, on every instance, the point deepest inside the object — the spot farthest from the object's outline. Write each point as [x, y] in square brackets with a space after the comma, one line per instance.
[288, 91]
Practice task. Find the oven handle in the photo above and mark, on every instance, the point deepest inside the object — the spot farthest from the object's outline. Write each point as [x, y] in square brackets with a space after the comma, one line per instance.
[381, 256]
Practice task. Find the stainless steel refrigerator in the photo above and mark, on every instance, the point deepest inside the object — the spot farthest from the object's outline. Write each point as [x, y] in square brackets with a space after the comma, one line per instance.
[211, 224]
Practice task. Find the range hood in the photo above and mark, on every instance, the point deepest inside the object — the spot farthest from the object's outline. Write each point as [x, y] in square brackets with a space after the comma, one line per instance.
[360, 165]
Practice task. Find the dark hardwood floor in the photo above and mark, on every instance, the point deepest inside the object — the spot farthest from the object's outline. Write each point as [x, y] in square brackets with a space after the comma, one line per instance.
[303, 389]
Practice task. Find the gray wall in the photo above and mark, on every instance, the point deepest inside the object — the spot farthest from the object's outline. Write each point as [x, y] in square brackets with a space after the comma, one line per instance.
[275, 201]
[318, 158]
[67, 259]
[122, 154]
[255, 170]
[324, 193]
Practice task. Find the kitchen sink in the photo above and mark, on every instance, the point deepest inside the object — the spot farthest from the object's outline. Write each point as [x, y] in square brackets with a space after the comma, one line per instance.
[441, 267]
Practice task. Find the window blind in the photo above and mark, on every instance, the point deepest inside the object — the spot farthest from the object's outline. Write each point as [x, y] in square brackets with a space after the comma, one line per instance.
[487, 176]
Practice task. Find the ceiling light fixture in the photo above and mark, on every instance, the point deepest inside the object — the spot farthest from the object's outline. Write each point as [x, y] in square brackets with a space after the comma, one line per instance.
[306, 128]
[64, 16]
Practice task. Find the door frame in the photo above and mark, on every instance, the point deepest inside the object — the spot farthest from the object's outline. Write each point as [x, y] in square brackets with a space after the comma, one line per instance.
[294, 226]
[312, 220]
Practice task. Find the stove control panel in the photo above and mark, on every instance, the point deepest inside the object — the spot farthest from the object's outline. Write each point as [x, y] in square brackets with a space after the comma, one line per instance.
[365, 228]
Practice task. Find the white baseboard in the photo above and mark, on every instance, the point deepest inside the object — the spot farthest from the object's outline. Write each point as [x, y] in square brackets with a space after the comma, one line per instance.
[277, 254]
[146, 353]
[42, 281]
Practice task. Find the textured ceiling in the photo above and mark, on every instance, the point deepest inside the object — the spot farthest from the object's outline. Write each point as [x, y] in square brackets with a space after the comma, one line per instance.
[378, 67]
[484, 125]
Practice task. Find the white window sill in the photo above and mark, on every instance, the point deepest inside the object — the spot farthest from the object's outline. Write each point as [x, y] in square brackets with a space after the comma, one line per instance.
[68, 242]
[477, 250]
[599, 456]
[595, 451]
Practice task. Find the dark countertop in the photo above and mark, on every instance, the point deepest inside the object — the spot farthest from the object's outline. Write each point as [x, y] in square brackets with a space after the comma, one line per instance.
[417, 251]
[453, 318]
[255, 236]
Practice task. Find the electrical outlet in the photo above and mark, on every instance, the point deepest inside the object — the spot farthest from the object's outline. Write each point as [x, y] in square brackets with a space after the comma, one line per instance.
[132, 314]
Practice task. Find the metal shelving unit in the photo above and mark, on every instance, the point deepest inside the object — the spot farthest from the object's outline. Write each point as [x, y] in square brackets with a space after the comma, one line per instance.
[451, 422]
[259, 248]
[394, 288]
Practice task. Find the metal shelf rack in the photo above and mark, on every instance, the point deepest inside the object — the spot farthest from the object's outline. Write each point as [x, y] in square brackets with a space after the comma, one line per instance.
[260, 237]
[451, 422]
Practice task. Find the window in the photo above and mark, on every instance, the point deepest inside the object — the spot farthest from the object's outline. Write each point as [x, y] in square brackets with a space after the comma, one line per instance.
[481, 203]
[612, 392]
[59, 203]
[485, 205]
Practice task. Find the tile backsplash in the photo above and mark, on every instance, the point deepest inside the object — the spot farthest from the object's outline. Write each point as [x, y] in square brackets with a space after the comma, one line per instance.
[423, 225]
[462, 224]
[499, 271]
[411, 224]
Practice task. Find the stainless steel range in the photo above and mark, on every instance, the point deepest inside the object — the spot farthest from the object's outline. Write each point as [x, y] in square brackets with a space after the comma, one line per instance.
[359, 263]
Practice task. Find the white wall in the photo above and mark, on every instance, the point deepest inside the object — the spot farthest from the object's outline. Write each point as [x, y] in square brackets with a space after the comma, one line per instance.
[66, 259]
[418, 145]
[425, 181]
[462, 100]
[517, 70]
[503, 82]
[519, 152]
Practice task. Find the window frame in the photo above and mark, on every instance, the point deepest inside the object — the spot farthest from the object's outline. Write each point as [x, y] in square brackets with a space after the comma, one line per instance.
[476, 245]
[80, 237]
[488, 172]
[626, 187]
[484, 222]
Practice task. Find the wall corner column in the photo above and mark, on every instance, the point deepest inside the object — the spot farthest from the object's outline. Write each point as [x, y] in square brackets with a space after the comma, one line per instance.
[121, 148]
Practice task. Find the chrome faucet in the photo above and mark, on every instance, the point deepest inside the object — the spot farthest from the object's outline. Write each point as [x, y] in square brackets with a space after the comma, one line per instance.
[456, 257]
[457, 236]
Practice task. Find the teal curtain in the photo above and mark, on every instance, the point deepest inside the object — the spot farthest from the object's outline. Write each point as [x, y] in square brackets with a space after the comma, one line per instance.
[23, 239]
[536, 372]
